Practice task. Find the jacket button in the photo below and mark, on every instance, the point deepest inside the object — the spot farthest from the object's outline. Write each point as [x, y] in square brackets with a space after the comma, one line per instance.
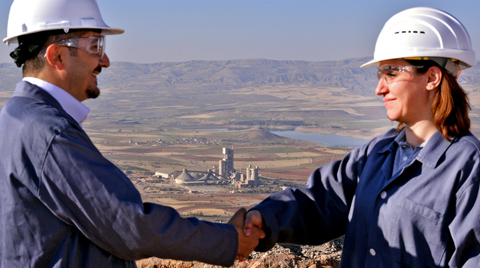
[383, 195]
[372, 252]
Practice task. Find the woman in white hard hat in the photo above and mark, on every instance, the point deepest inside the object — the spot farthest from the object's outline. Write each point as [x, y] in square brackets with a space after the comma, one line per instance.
[426, 41]
[410, 197]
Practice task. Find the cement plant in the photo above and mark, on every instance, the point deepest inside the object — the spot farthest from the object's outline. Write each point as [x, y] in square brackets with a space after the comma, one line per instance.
[224, 174]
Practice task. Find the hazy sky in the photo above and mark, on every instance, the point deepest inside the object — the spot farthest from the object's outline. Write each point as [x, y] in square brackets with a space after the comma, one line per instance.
[312, 30]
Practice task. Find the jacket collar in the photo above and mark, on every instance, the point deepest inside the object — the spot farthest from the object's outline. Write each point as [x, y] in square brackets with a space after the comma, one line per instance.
[430, 154]
[26, 89]
[72, 106]
[54, 96]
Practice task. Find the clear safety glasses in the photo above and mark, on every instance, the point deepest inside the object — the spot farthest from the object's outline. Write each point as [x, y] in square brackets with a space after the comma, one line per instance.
[93, 45]
[392, 74]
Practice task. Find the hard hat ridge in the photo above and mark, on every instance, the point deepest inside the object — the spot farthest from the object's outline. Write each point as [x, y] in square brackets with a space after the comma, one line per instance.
[33, 16]
[425, 32]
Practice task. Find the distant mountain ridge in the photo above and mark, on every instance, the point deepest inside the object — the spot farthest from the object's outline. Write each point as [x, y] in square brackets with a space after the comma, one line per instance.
[239, 73]
[259, 72]
[251, 72]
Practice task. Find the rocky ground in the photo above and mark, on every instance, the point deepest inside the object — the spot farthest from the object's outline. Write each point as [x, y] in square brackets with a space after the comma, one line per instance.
[281, 256]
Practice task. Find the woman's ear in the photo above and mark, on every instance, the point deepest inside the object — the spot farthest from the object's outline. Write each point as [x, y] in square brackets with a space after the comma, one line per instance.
[54, 56]
[434, 76]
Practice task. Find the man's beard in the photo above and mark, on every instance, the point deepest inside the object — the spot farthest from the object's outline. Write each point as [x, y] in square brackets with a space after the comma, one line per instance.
[93, 91]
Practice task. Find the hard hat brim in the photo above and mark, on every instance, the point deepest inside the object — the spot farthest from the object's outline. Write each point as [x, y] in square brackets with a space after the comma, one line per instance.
[370, 63]
[466, 58]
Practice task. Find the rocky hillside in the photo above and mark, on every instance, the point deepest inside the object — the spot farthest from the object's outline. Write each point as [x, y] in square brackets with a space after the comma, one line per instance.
[227, 74]
[344, 73]
[281, 256]
[250, 72]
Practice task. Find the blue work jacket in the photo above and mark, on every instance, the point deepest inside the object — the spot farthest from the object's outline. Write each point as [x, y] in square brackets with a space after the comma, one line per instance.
[425, 215]
[62, 204]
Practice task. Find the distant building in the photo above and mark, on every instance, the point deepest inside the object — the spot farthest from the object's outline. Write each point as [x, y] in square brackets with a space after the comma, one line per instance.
[248, 183]
[196, 178]
[164, 174]
[228, 158]
[184, 178]
[243, 177]
[249, 179]
[209, 178]
[252, 176]
[225, 166]
[222, 169]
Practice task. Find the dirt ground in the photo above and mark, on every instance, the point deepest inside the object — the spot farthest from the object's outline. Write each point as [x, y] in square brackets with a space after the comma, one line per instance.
[327, 255]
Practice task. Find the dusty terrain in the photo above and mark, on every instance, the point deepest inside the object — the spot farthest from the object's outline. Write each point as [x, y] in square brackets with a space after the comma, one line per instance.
[327, 255]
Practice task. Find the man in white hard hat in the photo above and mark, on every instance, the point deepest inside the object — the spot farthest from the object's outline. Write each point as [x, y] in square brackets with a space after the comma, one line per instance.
[62, 204]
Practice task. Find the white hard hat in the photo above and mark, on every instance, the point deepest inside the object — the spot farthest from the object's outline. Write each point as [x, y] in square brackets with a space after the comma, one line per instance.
[33, 16]
[424, 33]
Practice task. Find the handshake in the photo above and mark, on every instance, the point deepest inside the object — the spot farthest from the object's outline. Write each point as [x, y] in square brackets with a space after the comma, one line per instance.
[250, 229]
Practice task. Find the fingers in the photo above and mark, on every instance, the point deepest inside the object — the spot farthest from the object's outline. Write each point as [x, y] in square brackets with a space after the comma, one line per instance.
[246, 244]
[261, 233]
[253, 219]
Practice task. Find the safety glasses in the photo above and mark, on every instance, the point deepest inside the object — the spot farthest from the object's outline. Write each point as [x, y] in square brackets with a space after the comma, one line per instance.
[392, 74]
[93, 45]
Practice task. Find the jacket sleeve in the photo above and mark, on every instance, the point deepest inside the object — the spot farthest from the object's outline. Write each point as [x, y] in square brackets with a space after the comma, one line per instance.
[465, 227]
[87, 191]
[318, 212]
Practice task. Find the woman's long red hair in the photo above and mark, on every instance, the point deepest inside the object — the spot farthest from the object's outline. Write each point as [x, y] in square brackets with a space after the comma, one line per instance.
[450, 106]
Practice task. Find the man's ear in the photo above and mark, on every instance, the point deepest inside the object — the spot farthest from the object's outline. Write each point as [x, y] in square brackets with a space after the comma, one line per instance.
[54, 56]
[434, 76]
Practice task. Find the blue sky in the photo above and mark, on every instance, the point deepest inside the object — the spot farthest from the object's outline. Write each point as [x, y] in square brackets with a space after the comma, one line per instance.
[312, 30]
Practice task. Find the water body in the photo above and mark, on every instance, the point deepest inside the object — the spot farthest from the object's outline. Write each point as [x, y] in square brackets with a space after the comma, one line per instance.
[324, 139]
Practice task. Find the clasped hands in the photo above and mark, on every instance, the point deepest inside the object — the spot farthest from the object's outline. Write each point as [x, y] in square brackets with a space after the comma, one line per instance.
[250, 229]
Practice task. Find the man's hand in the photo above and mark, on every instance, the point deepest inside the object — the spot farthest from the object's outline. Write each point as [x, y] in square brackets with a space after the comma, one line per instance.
[246, 244]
